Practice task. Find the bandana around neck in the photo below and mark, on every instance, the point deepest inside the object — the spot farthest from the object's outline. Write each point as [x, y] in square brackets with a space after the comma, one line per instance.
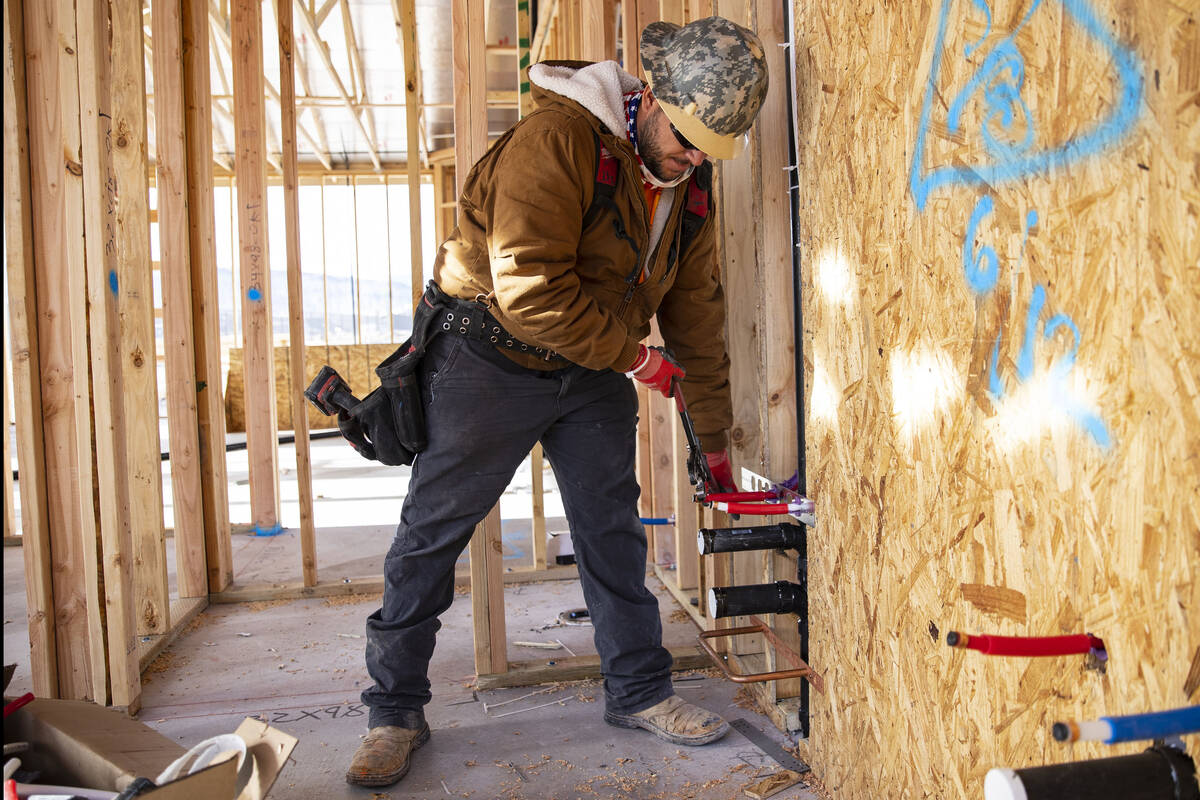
[633, 102]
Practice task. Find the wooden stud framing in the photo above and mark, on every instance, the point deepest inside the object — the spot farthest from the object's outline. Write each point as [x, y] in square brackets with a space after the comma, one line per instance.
[645, 469]
[406, 20]
[103, 319]
[574, 668]
[291, 210]
[571, 12]
[598, 36]
[470, 141]
[775, 260]
[10, 500]
[525, 101]
[629, 36]
[687, 513]
[206, 336]
[139, 367]
[671, 11]
[537, 463]
[26, 362]
[171, 161]
[647, 12]
[57, 209]
[357, 76]
[662, 421]
[262, 433]
[311, 27]
[546, 13]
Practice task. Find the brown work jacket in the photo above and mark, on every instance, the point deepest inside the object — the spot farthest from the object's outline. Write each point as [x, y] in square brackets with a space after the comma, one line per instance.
[521, 246]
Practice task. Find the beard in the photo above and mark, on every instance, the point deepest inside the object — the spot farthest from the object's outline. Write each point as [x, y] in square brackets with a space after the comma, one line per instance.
[661, 166]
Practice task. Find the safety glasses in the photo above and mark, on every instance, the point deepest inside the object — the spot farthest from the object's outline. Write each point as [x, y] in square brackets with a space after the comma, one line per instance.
[683, 140]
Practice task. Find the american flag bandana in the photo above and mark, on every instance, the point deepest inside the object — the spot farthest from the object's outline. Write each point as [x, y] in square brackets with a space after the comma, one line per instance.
[632, 102]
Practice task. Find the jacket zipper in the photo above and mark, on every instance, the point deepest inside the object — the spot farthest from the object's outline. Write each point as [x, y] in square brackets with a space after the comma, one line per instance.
[631, 278]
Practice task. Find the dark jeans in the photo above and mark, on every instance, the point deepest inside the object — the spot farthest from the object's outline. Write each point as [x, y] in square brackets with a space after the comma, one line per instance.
[484, 414]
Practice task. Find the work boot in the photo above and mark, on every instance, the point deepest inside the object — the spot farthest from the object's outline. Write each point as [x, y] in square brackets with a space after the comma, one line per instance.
[674, 720]
[385, 755]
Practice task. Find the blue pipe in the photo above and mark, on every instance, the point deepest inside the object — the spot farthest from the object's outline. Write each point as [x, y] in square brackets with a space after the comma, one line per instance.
[1131, 728]
[657, 520]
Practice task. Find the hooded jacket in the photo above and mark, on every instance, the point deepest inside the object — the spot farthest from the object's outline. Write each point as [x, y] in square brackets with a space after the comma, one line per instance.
[522, 246]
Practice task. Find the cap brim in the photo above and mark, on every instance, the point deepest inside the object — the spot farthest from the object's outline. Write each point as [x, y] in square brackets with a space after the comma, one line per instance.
[723, 146]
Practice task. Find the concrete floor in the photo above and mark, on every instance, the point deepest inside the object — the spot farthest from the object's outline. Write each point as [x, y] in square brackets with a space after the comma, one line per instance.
[299, 665]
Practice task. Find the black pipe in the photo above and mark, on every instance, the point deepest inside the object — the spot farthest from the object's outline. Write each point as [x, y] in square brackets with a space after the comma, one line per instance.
[792, 95]
[1162, 772]
[781, 597]
[760, 537]
[284, 438]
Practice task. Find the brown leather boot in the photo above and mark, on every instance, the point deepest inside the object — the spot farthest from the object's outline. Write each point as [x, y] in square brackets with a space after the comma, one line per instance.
[674, 720]
[385, 755]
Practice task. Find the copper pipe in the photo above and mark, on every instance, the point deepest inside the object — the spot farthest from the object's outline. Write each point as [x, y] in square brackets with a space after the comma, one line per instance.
[802, 670]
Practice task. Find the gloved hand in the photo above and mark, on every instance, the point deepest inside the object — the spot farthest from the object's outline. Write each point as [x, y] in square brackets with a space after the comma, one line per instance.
[722, 472]
[655, 371]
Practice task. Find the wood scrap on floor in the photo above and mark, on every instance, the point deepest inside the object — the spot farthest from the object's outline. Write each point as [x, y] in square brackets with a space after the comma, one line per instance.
[772, 784]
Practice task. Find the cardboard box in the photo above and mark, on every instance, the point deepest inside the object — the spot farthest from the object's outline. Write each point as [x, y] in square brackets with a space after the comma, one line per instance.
[82, 744]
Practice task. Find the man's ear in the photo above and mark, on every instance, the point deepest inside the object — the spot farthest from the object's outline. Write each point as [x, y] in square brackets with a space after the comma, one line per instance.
[648, 100]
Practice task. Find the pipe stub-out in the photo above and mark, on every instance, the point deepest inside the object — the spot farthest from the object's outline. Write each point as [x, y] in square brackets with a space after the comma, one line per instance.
[1159, 772]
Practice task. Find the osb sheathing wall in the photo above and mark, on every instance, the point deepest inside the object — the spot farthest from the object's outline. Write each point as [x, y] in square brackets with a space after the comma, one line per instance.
[999, 232]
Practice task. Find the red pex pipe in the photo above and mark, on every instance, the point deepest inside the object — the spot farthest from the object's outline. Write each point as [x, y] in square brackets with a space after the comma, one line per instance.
[734, 497]
[23, 700]
[1082, 643]
[753, 508]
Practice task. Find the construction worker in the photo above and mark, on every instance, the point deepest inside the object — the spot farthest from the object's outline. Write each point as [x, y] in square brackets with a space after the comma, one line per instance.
[587, 218]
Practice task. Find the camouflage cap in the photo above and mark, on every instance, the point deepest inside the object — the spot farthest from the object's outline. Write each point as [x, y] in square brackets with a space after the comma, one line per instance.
[710, 76]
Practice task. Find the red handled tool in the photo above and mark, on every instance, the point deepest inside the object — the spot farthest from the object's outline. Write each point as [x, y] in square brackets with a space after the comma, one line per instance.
[733, 503]
[699, 474]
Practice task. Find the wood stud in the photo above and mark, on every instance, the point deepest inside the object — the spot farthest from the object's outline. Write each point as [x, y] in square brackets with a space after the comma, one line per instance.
[261, 428]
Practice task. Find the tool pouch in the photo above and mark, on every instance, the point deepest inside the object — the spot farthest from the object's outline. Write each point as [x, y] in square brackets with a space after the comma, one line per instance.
[388, 426]
[400, 401]
[371, 429]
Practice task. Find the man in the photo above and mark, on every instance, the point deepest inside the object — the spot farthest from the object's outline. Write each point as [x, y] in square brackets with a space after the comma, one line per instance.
[587, 218]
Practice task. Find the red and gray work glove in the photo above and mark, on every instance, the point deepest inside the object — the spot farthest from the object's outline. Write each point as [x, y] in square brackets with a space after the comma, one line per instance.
[655, 371]
[722, 471]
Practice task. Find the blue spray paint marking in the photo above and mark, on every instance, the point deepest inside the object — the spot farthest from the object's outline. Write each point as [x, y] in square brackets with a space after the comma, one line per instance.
[254, 294]
[112, 281]
[980, 279]
[1031, 220]
[987, 12]
[1010, 165]
[1090, 422]
[995, 386]
[1025, 359]
[1067, 362]
[1007, 131]
[1001, 96]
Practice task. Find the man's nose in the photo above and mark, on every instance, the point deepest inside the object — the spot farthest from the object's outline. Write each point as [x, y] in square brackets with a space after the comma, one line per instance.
[695, 157]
